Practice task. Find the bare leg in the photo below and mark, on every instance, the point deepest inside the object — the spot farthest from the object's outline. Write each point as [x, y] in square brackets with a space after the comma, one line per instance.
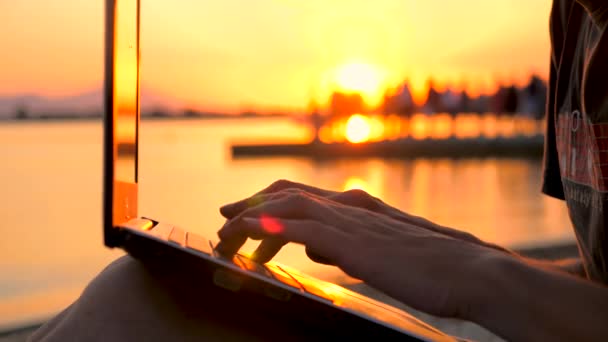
[128, 301]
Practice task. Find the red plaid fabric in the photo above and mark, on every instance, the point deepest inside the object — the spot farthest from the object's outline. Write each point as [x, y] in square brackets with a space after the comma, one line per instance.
[583, 150]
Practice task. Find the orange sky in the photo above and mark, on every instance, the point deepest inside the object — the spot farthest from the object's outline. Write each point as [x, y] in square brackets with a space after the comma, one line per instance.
[237, 54]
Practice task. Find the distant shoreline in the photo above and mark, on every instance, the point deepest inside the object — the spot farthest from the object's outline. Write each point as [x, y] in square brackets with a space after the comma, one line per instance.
[60, 118]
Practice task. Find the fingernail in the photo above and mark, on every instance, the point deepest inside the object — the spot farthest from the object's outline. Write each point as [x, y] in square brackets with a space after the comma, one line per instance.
[220, 247]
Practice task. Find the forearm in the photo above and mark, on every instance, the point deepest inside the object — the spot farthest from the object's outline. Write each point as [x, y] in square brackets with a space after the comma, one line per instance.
[524, 302]
[573, 266]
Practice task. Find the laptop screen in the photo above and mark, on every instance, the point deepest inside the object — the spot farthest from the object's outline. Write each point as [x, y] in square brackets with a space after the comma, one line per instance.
[121, 114]
[126, 84]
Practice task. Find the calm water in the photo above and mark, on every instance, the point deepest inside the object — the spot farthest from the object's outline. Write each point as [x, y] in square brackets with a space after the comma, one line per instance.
[50, 183]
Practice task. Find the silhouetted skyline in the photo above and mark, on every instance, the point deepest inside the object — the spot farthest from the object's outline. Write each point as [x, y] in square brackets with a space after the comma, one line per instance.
[234, 55]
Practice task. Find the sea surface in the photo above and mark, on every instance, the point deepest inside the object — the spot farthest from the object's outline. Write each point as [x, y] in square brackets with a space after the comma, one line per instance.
[51, 189]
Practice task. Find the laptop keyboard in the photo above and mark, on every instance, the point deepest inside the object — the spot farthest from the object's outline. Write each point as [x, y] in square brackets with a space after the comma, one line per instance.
[253, 266]
[272, 271]
[198, 243]
[161, 231]
[281, 275]
[178, 236]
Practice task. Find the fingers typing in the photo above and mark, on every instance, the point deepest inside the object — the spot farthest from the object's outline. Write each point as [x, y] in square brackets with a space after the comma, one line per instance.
[326, 241]
[233, 209]
[267, 249]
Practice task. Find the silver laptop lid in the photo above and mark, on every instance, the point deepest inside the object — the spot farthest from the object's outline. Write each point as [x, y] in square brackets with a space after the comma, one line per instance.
[121, 115]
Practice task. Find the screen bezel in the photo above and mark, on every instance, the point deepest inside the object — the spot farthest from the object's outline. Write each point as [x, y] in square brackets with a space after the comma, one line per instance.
[119, 197]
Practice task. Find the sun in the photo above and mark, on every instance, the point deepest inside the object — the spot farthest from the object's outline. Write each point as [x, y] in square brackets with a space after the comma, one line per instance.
[359, 77]
[358, 129]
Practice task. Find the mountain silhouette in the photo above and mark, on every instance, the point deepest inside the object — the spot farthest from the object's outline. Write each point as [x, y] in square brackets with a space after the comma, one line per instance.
[85, 103]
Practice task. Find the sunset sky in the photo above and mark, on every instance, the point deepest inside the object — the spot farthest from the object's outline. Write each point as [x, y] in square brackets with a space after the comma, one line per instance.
[232, 55]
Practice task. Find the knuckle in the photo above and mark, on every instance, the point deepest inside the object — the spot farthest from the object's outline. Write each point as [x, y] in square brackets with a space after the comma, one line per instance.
[469, 237]
[280, 194]
[293, 191]
[281, 184]
[275, 195]
[299, 194]
[357, 193]
[362, 198]
[303, 204]
[295, 197]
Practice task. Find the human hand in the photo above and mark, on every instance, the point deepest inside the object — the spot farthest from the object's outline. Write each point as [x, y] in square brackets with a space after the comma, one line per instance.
[357, 198]
[424, 268]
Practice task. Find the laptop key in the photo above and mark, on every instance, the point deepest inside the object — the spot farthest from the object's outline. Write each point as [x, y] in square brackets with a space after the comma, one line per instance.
[253, 266]
[178, 236]
[310, 285]
[283, 277]
[212, 245]
[162, 231]
[198, 243]
[138, 224]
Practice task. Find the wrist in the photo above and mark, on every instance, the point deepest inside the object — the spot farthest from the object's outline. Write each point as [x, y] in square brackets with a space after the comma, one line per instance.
[518, 300]
[489, 286]
[573, 266]
[505, 292]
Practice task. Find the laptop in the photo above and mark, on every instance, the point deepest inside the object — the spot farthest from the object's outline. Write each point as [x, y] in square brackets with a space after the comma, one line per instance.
[276, 286]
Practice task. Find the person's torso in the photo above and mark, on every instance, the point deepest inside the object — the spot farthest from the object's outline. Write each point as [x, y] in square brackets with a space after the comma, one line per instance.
[581, 131]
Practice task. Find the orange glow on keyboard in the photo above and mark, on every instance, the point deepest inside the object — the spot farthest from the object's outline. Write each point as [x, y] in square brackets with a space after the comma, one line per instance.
[271, 225]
